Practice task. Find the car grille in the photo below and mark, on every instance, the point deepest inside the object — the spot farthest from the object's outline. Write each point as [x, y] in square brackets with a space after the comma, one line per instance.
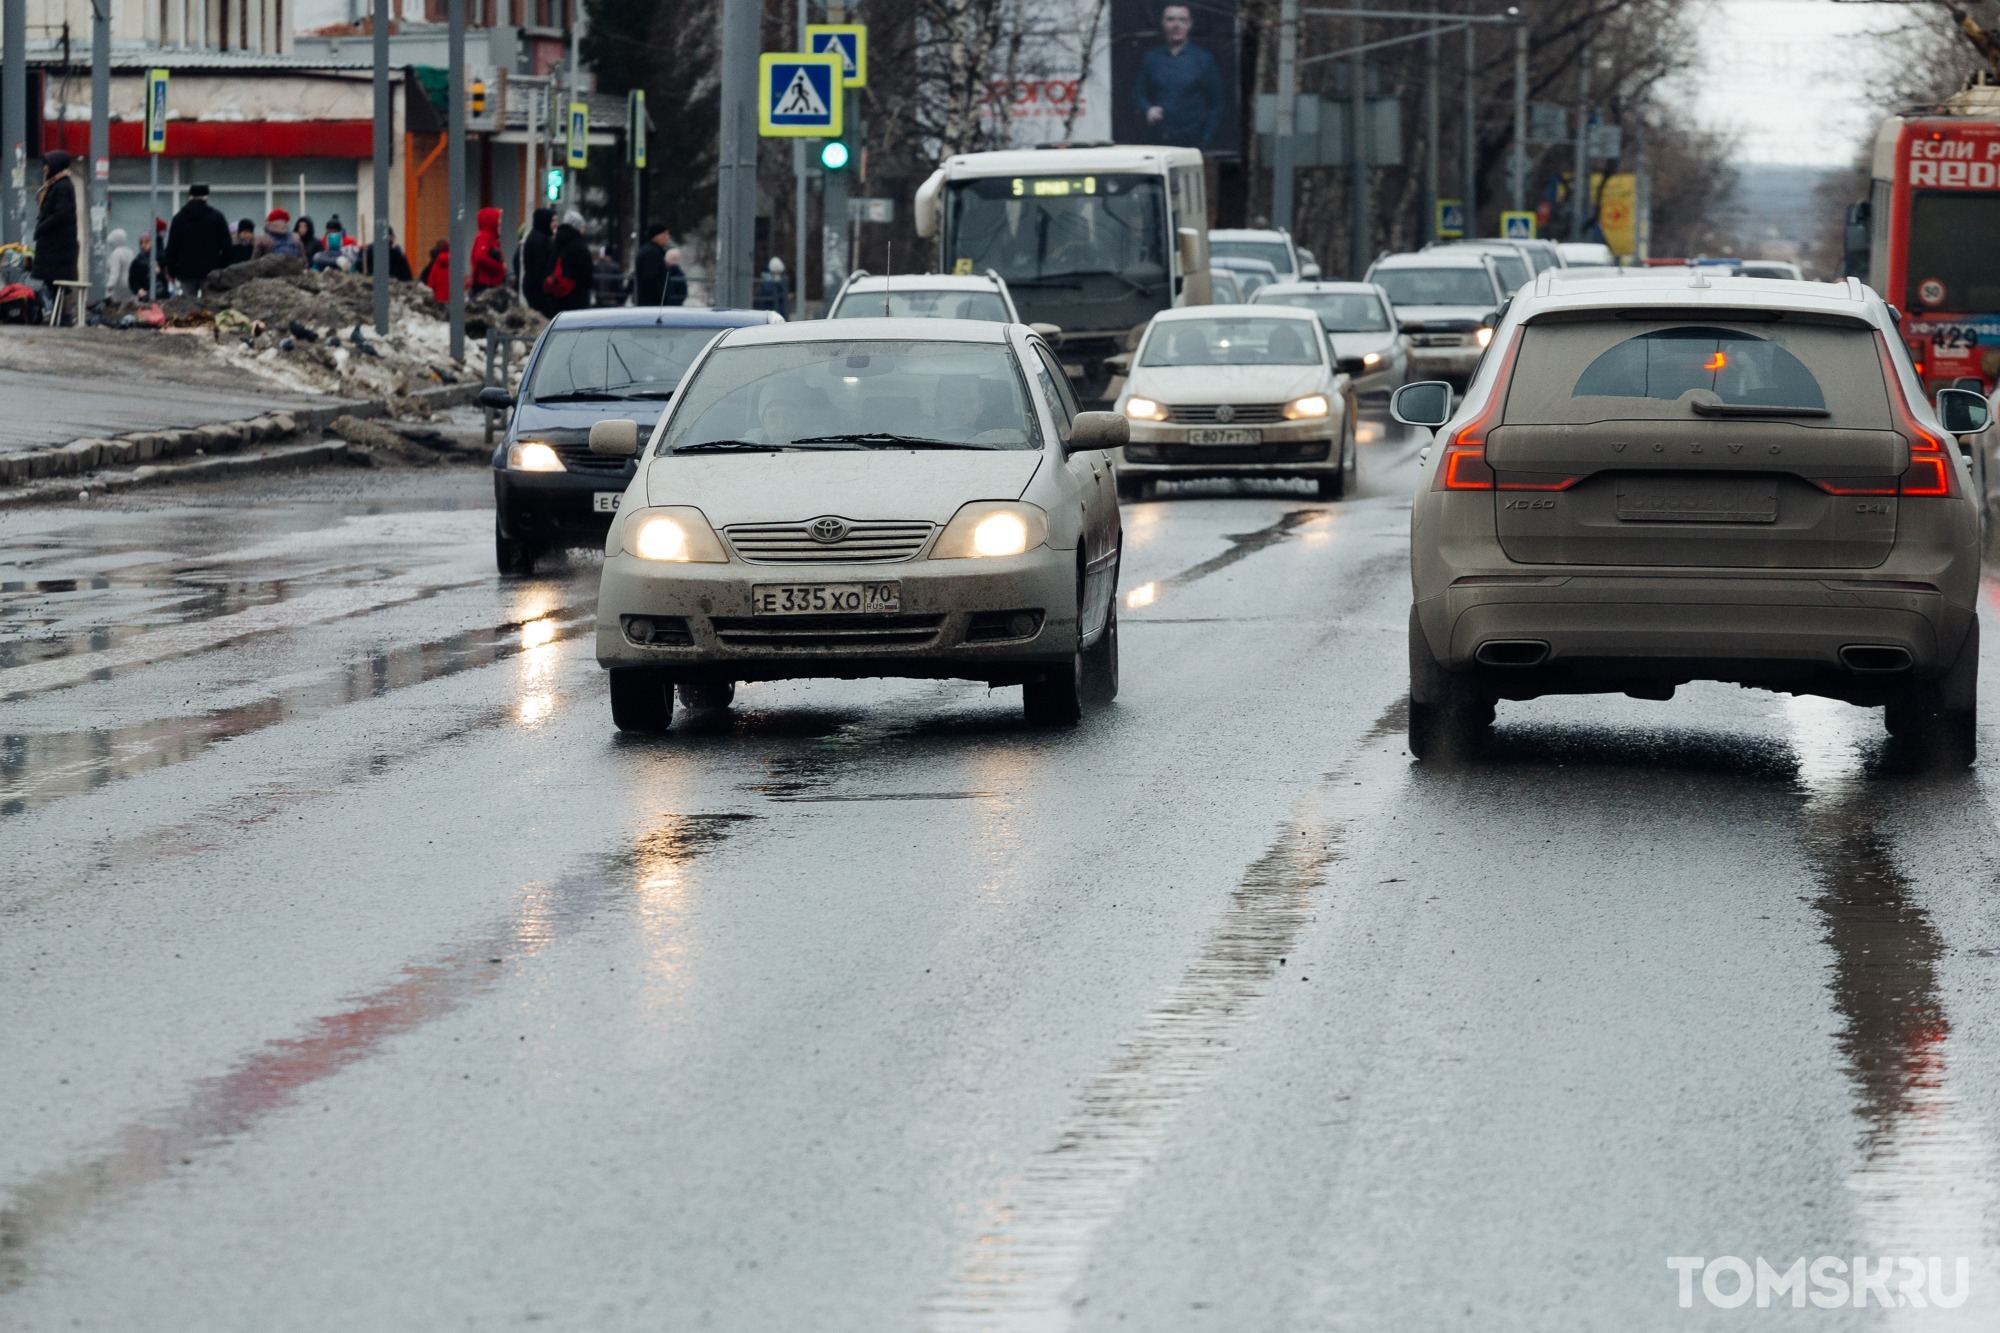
[1440, 339]
[578, 458]
[857, 633]
[1282, 451]
[793, 543]
[1244, 414]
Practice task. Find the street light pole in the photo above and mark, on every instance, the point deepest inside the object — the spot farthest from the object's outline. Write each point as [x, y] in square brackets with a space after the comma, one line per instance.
[14, 114]
[455, 242]
[380, 240]
[1357, 152]
[736, 167]
[100, 143]
[1520, 155]
[1471, 132]
[1432, 129]
[1283, 153]
[1580, 186]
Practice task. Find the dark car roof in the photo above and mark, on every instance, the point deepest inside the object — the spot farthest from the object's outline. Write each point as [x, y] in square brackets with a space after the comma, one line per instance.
[670, 316]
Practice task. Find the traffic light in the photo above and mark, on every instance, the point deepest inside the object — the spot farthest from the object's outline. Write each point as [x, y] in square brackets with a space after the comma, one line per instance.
[479, 97]
[555, 184]
[833, 155]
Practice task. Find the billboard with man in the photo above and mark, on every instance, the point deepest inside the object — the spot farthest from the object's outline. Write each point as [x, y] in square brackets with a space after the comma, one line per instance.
[1173, 74]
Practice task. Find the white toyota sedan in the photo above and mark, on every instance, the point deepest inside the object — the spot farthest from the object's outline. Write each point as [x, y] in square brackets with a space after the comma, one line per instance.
[1236, 391]
[866, 497]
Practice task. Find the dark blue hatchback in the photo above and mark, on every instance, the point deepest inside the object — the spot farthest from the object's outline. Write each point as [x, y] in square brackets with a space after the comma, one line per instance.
[550, 492]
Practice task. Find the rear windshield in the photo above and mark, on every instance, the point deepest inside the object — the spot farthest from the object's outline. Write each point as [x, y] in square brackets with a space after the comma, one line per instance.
[1339, 312]
[1436, 286]
[1573, 373]
[1231, 342]
[1513, 269]
[900, 304]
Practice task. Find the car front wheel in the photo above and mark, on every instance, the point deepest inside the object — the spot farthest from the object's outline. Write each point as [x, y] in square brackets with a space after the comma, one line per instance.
[642, 701]
[1057, 699]
[1100, 663]
[514, 555]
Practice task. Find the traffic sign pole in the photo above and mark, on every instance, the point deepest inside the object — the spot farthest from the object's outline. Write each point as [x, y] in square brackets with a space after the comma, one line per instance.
[736, 167]
[156, 144]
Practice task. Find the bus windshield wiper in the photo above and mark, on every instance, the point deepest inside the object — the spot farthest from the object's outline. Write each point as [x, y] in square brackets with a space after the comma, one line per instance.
[882, 439]
[1708, 409]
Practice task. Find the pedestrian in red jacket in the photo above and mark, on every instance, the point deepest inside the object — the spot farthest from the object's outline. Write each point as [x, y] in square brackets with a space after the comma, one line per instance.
[437, 274]
[489, 265]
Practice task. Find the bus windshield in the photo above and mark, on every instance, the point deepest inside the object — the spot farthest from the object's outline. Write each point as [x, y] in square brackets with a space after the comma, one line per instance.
[1086, 253]
[1954, 236]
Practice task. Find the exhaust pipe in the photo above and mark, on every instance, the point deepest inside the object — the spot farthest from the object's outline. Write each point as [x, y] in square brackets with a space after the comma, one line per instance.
[1874, 658]
[1511, 653]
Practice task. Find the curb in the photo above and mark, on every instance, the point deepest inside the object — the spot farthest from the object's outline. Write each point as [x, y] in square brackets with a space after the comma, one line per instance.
[141, 448]
[282, 459]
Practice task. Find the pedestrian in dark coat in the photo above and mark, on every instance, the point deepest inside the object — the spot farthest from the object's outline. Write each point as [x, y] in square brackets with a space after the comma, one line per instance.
[571, 270]
[56, 244]
[649, 267]
[677, 279]
[536, 253]
[243, 248]
[399, 263]
[140, 276]
[198, 241]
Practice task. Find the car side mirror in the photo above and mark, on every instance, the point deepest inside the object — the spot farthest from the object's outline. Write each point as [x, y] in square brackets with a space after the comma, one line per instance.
[1050, 334]
[1119, 363]
[1097, 430]
[1963, 412]
[1426, 403]
[618, 437]
[496, 397]
[1491, 321]
[1309, 272]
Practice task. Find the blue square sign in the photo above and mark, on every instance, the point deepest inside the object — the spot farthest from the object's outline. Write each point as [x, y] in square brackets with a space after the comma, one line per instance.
[798, 96]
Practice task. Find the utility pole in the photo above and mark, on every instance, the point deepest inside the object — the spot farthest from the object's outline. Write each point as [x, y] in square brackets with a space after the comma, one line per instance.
[1642, 202]
[100, 143]
[799, 196]
[736, 166]
[1284, 156]
[380, 240]
[1579, 193]
[1471, 132]
[1357, 148]
[458, 246]
[1432, 129]
[1520, 154]
[14, 113]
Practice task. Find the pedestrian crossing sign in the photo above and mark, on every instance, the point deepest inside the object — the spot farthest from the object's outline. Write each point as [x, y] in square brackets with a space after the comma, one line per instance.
[1450, 218]
[847, 40]
[1517, 226]
[798, 96]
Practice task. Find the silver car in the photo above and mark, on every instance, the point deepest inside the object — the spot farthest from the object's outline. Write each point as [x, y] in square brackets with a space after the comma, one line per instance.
[1368, 345]
[1445, 300]
[867, 497]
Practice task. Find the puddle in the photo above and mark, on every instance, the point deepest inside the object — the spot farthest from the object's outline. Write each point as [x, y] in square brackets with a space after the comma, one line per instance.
[1242, 545]
[269, 1079]
[1037, 1232]
[37, 768]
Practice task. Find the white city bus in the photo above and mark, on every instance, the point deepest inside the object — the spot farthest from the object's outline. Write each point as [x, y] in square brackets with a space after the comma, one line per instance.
[1095, 241]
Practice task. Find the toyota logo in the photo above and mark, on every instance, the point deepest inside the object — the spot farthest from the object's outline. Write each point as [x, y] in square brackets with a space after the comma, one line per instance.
[1225, 414]
[827, 531]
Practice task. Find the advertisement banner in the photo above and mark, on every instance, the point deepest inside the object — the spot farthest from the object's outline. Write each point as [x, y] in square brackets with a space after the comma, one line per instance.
[1061, 89]
[1617, 214]
[1173, 75]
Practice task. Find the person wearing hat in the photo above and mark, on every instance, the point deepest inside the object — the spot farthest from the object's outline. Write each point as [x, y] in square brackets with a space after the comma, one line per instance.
[572, 272]
[277, 238]
[197, 242]
[244, 247]
[771, 291]
[56, 241]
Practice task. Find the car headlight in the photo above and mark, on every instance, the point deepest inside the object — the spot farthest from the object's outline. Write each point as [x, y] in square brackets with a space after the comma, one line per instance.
[1484, 336]
[677, 534]
[533, 456]
[990, 528]
[1144, 409]
[1370, 359]
[1308, 407]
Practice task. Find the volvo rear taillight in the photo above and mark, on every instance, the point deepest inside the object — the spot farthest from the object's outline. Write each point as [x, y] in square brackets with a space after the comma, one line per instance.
[1933, 469]
[1464, 466]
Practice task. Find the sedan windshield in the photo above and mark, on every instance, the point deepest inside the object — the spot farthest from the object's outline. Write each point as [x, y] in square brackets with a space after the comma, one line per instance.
[1436, 286]
[1339, 312]
[1231, 342]
[825, 394]
[1275, 253]
[919, 304]
[597, 365]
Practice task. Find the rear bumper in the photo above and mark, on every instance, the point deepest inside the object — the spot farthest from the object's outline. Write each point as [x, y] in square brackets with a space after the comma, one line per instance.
[1600, 633]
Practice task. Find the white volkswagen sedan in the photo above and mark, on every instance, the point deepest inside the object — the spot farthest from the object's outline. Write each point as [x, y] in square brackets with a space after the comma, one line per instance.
[1236, 391]
[868, 497]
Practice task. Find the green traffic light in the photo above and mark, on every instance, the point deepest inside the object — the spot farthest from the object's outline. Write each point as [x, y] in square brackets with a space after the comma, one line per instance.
[833, 155]
[555, 184]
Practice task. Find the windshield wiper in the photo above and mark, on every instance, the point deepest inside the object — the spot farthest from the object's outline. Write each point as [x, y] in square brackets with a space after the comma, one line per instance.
[746, 447]
[1705, 409]
[579, 396]
[650, 395]
[882, 439]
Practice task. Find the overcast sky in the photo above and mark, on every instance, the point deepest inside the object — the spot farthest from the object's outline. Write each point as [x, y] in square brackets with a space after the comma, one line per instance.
[1787, 76]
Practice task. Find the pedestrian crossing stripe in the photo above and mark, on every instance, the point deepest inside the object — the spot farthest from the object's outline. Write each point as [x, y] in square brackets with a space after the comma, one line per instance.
[798, 96]
[847, 40]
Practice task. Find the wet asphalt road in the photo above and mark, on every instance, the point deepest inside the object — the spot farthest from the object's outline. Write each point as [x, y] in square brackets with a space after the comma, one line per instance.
[357, 975]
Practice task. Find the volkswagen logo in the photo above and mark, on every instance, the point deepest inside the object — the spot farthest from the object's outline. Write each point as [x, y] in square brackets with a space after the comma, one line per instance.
[1225, 414]
[827, 531]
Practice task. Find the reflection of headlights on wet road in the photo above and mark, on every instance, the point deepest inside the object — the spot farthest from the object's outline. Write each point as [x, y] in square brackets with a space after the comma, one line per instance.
[538, 632]
[1306, 408]
[679, 534]
[1144, 409]
[990, 528]
[533, 456]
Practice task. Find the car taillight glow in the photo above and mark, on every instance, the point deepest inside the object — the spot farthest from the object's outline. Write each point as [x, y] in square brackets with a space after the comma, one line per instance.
[1464, 466]
[1932, 472]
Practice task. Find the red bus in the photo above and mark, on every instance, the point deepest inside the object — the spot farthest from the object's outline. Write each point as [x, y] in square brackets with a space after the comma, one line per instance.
[1932, 222]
